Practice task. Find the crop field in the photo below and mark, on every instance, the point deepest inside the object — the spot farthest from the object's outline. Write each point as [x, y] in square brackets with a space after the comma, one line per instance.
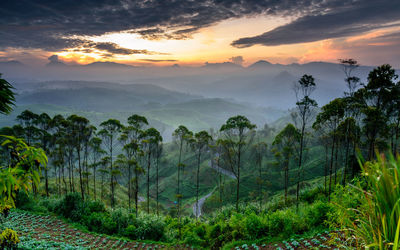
[326, 240]
[48, 232]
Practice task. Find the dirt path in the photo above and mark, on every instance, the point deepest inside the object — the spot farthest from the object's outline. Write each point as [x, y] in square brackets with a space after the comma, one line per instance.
[197, 207]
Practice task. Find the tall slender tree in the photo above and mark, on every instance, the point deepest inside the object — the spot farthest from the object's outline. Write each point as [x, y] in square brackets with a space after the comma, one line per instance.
[110, 130]
[260, 150]
[97, 152]
[377, 96]
[131, 137]
[236, 132]
[285, 148]
[305, 110]
[43, 121]
[150, 139]
[182, 135]
[79, 126]
[331, 115]
[158, 154]
[27, 120]
[200, 144]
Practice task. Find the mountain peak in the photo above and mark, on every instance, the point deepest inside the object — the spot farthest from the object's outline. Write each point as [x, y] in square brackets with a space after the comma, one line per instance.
[261, 63]
[108, 64]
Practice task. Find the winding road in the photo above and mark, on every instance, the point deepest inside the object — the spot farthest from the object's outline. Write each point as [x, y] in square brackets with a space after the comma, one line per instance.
[198, 206]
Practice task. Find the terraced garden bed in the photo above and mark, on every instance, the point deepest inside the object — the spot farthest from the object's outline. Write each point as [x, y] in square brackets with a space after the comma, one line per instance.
[326, 240]
[48, 232]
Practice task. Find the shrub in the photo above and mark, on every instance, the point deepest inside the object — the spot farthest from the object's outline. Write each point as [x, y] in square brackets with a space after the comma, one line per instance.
[95, 206]
[254, 226]
[23, 201]
[130, 232]
[71, 207]
[26, 202]
[201, 231]
[312, 195]
[94, 222]
[108, 226]
[317, 213]
[121, 218]
[150, 227]
[49, 203]
[9, 239]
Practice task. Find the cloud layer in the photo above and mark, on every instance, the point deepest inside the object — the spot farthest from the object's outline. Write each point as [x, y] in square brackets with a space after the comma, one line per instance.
[58, 25]
[349, 19]
[54, 25]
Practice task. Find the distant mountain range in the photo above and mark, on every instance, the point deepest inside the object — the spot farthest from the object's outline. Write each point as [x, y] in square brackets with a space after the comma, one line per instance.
[262, 83]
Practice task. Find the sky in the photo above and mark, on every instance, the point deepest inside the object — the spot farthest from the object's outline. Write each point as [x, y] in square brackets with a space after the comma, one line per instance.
[190, 32]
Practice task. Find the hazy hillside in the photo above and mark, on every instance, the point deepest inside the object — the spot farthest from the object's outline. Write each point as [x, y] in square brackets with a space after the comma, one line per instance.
[262, 83]
[165, 109]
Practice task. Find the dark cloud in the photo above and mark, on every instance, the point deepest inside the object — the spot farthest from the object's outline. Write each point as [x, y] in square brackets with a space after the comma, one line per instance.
[54, 25]
[158, 60]
[113, 48]
[237, 60]
[349, 19]
[53, 58]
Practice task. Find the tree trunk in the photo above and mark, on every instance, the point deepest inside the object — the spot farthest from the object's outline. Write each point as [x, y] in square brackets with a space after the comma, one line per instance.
[331, 166]
[286, 177]
[148, 181]
[94, 181]
[179, 195]
[158, 156]
[136, 190]
[80, 174]
[260, 181]
[111, 173]
[346, 164]
[336, 159]
[63, 176]
[47, 181]
[300, 162]
[129, 185]
[238, 177]
[197, 181]
[326, 168]
[102, 187]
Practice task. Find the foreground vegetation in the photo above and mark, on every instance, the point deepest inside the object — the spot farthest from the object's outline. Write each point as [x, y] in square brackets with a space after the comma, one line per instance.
[353, 204]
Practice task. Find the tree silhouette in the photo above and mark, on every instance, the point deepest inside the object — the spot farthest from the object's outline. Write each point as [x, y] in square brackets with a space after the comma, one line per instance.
[377, 96]
[236, 130]
[181, 135]
[285, 146]
[109, 133]
[305, 109]
[131, 139]
[97, 152]
[150, 139]
[79, 126]
[331, 115]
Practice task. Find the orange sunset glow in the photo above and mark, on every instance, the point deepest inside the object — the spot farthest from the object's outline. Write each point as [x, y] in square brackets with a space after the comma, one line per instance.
[213, 39]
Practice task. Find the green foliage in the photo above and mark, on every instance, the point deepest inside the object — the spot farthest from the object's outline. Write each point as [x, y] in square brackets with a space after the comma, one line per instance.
[7, 96]
[71, 207]
[376, 207]
[24, 169]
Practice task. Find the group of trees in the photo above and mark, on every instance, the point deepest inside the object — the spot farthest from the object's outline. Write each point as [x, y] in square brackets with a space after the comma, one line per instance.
[366, 118]
[77, 149]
